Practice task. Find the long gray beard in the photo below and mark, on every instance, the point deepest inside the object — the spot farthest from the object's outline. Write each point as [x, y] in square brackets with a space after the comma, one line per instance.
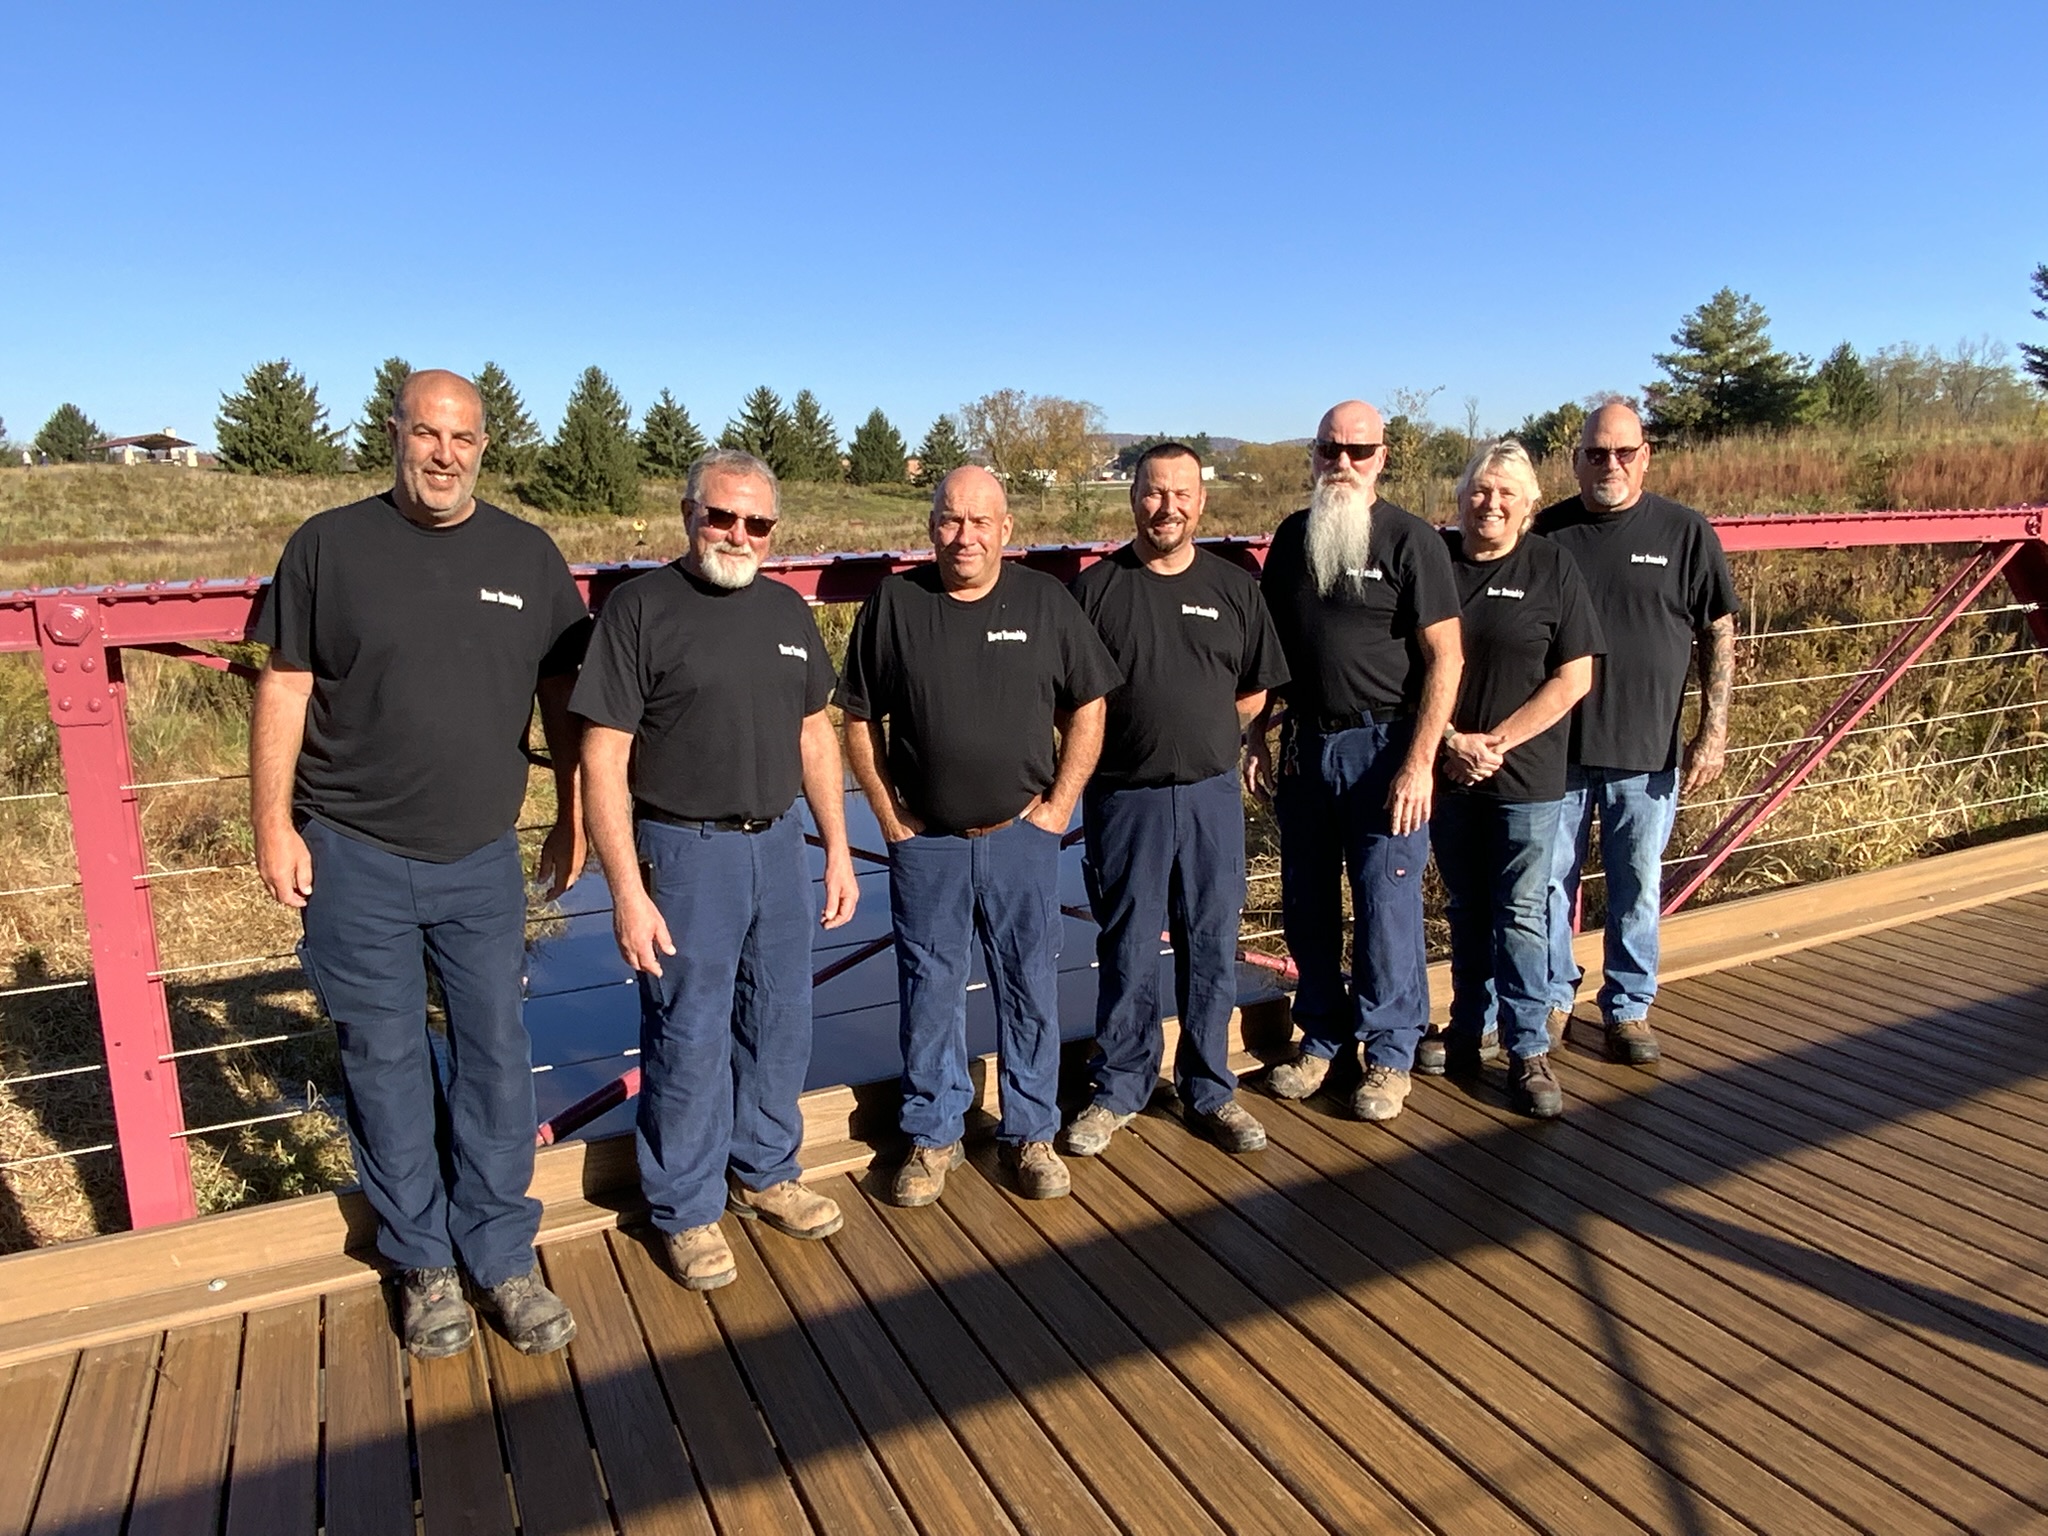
[1339, 535]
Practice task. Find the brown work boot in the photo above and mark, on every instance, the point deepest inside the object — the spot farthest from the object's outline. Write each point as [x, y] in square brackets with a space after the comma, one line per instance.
[532, 1317]
[1380, 1093]
[1630, 1041]
[922, 1178]
[1039, 1173]
[1533, 1088]
[1559, 1024]
[1230, 1125]
[434, 1320]
[700, 1258]
[1088, 1133]
[1299, 1078]
[1431, 1053]
[787, 1207]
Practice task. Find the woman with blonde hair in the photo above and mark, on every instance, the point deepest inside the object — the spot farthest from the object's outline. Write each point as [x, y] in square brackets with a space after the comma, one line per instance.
[1530, 638]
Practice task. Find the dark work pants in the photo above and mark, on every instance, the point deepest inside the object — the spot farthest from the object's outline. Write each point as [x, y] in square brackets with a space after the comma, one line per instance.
[1167, 859]
[445, 1165]
[1331, 802]
[1494, 857]
[944, 893]
[725, 1029]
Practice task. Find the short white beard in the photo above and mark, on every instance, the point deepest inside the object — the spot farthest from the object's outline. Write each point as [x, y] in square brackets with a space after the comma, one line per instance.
[730, 569]
[1605, 499]
[1339, 533]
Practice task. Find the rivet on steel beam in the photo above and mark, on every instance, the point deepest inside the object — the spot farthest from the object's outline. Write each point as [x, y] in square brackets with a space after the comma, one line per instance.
[64, 704]
[88, 665]
[59, 664]
[94, 706]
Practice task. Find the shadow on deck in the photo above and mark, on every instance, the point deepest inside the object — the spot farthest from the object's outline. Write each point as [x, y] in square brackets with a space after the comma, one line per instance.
[1790, 1281]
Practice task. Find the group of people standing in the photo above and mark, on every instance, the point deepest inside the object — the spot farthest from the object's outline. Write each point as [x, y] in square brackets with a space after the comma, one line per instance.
[1437, 686]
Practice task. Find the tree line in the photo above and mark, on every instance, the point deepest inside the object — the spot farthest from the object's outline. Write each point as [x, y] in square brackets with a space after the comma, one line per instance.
[1723, 375]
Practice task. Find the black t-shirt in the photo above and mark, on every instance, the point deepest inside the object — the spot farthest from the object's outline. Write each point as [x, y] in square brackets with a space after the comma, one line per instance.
[425, 645]
[1657, 575]
[714, 686]
[1524, 616]
[1356, 649]
[970, 688]
[1188, 645]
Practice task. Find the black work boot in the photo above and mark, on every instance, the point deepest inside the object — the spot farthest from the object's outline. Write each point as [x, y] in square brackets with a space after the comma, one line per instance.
[531, 1316]
[1533, 1087]
[434, 1320]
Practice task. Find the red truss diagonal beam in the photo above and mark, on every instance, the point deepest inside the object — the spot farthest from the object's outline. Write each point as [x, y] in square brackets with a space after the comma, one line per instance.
[1863, 695]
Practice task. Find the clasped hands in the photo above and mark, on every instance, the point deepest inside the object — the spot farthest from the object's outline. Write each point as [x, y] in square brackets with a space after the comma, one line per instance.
[1470, 756]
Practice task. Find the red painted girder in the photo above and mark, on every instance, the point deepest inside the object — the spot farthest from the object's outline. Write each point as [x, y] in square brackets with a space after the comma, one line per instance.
[1850, 530]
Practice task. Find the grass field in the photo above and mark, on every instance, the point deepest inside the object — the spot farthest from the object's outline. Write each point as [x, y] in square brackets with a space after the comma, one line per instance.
[102, 523]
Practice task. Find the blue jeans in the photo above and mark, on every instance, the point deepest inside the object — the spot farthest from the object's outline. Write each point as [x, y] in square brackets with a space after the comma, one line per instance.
[944, 893]
[725, 1029]
[445, 1157]
[1636, 812]
[1494, 857]
[1167, 858]
[1331, 802]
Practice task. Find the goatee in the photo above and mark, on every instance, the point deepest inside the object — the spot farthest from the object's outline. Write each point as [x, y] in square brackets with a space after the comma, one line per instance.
[1339, 534]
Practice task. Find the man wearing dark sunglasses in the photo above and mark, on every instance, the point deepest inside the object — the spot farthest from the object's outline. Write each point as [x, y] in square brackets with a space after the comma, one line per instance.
[705, 692]
[1366, 604]
[1661, 588]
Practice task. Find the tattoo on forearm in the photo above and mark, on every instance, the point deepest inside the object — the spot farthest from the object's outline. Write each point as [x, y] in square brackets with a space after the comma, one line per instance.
[1717, 674]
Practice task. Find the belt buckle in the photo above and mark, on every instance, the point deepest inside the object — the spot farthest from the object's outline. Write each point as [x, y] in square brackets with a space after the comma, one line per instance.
[752, 824]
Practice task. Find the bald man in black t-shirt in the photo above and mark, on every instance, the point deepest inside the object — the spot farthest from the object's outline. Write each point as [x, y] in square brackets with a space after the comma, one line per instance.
[409, 635]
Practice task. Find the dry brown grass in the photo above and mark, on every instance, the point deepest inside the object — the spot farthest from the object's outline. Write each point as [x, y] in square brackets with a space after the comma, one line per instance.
[103, 523]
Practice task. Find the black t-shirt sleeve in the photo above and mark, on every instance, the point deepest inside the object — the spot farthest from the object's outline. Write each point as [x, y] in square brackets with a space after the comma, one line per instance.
[1578, 626]
[1265, 664]
[1087, 670]
[819, 677]
[285, 623]
[864, 690]
[569, 619]
[1713, 587]
[1433, 584]
[614, 685]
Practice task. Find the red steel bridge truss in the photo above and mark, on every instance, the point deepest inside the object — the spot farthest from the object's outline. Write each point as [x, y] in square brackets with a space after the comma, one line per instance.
[81, 636]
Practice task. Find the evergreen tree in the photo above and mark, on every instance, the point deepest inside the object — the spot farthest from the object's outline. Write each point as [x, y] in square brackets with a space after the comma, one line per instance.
[941, 452]
[764, 429]
[515, 441]
[69, 436]
[2035, 359]
[276, 425]
[373, 443]
[1552, 432]
[1843, 393]
[875, 457]
[1725, 375]
[669, 441]
[815, 454]
[593, 465]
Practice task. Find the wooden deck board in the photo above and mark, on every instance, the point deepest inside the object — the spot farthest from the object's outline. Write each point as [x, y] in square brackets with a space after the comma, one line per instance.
[1793, 1278]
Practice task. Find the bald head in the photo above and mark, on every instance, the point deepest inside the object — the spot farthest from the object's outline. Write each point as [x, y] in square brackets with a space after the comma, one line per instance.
[436, 384]
[1345, 429]
[1612, 458]
[437, 447]
[969, 485]
[970, 526]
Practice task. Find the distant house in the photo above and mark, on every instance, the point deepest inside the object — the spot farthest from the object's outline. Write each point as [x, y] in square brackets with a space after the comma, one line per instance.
[164, 447]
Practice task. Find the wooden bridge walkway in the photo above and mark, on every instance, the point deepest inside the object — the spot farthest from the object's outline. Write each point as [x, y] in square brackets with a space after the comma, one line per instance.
[1794, 1280]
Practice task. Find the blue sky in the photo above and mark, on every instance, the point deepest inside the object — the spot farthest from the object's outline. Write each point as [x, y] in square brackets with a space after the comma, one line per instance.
[1199, 217]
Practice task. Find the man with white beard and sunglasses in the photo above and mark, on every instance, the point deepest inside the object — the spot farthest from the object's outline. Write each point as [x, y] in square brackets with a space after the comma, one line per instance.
[704, 690]
[1366, 605]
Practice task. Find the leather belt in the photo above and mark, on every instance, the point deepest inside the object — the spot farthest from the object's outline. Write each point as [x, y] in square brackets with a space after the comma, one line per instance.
[747, 824]
[994, 826]
[1351, 720]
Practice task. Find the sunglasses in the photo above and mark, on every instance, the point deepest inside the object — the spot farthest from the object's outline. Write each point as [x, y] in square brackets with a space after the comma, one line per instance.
[1357, 453]
[1622, 456]
[721, 519]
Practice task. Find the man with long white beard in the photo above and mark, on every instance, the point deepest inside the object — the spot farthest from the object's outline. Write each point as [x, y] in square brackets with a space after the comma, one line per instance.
[704, 690]
[1366, 605]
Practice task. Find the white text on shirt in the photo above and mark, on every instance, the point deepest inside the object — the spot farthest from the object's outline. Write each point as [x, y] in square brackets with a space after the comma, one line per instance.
[1008, 634]
[1200, 613]
[509, 599]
